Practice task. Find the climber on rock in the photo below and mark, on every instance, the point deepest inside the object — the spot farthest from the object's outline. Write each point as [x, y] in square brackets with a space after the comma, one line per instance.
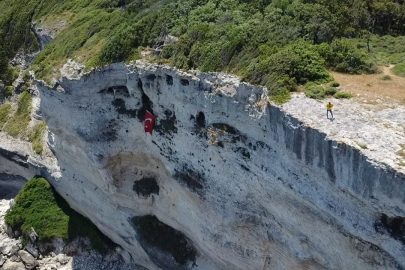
[329, 107]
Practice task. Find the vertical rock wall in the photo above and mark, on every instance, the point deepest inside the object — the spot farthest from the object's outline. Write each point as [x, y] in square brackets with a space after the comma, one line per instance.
[226, 181]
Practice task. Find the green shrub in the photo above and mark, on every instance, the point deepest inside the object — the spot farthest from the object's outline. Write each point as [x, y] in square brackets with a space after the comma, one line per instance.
[18, 123]
[38, 206]
[300, 61]
[330, 91]
[334, 84]
[340, 95]
[342, 56]
[10, 75]
[385, 78]
[280, 96]
[314, 91]
[8, 91]
[5, 110]
[36, 137]
[399, 69]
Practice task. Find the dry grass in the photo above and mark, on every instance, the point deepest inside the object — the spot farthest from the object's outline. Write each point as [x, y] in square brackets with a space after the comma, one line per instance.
[372, 87]
[402, 151]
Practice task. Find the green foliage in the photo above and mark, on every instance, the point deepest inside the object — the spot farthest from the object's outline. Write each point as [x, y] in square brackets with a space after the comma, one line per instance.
[279, 43]
[18, 123]
[399, 69]
[340, 95]
[334, 84]
[384, 50]
[8, 91]
[385, 78]
[330, 91]
[10, 75]
[36, 137]
[314, 91]
[281, 95]
[38, 206]
[342, 56]
[5, 111]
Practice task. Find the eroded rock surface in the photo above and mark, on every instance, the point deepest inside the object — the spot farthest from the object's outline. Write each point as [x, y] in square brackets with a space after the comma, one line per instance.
[247, 185]
[234, 182]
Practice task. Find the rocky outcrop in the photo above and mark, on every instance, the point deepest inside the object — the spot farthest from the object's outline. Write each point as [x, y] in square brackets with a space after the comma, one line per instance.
[226, 181]
[30, 254]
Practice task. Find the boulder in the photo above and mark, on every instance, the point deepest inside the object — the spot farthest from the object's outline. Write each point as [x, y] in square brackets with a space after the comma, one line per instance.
[15, 258]
[9, 246]
[62, 258]
[32, 249]
[9, 265]
[28, 259]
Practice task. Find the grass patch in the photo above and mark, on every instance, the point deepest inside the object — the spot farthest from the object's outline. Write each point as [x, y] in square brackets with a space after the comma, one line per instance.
[281, 96]
[384, 50]
[385, 78]
[314, 91]
[36, 137]
[330, 91]
[37, 205]
[340, 95]
[8, 91]
[402, 151]
[334, 84]
[20, 120]
[5, 110]
[399, 69]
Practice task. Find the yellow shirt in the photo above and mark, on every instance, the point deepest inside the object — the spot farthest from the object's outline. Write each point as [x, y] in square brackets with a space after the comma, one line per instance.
[329, 106]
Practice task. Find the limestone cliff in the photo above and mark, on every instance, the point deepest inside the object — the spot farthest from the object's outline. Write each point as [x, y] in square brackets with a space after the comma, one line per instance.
[226, 181]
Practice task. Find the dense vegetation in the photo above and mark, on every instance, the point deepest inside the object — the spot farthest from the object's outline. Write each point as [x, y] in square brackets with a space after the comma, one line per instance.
[38, 206]
[277, 43]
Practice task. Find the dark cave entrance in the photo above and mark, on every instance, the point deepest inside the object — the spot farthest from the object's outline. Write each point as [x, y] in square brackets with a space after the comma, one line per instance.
[200, 119]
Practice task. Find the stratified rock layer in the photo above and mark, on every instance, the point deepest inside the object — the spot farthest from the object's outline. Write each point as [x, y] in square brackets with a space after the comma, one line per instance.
[230, 181]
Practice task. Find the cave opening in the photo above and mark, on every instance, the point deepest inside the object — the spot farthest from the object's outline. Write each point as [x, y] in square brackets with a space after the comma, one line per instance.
[200, 119]
[169, 79]
[146, 103]
[154, 234]
[146, 187]
[395, 226]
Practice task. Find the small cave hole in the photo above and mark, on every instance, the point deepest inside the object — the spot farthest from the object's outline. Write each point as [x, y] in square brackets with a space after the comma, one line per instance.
[200, 119]
[140, 85]
[146, 106]
[146, 187]
[184, 82]
[169, 80]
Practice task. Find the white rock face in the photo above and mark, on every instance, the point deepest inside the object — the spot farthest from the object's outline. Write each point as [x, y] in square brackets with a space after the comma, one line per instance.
[225, 181]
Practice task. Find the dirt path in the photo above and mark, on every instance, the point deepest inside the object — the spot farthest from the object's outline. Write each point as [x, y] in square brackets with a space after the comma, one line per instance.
[371, 87]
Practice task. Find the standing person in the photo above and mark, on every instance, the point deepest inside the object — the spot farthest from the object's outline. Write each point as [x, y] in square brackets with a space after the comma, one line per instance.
[329, 107]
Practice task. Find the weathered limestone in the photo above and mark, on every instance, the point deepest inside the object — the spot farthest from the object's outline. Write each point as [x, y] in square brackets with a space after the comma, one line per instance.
[234, 182]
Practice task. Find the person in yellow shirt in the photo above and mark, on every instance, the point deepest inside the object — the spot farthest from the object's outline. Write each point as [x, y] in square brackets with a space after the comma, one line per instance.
[329, 107]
